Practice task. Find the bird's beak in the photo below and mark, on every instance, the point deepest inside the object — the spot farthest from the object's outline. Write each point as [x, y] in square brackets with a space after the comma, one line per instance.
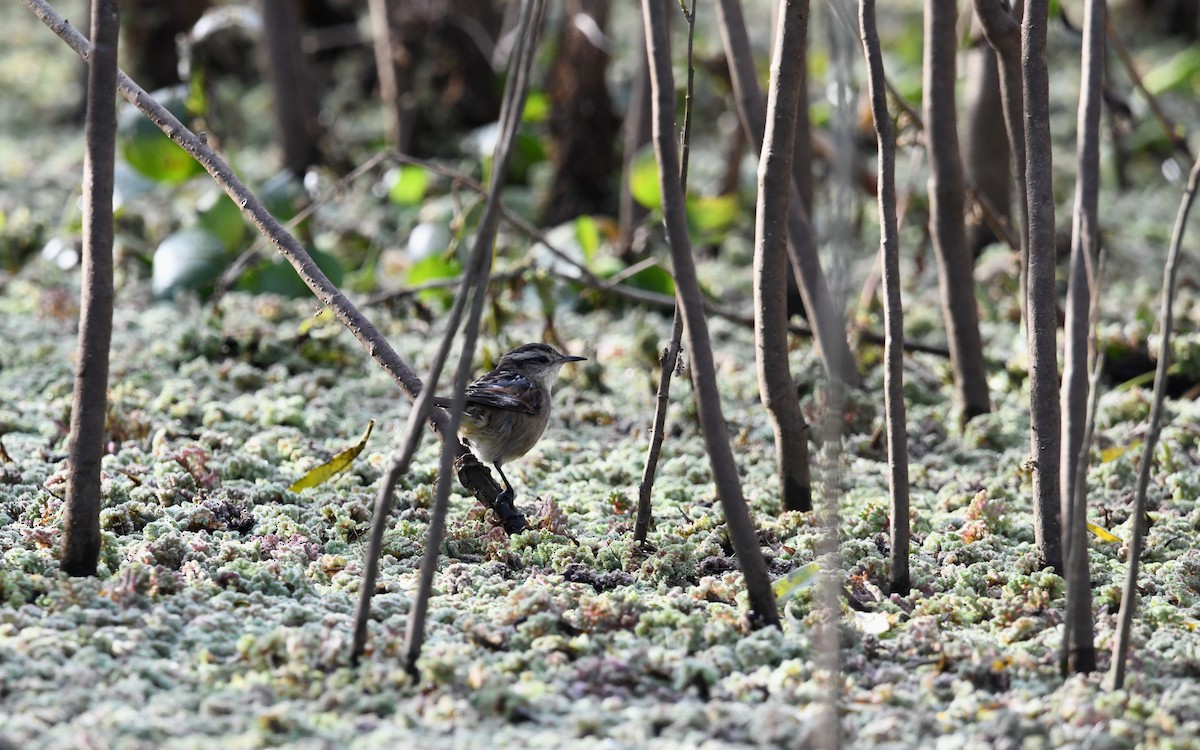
[572, 358]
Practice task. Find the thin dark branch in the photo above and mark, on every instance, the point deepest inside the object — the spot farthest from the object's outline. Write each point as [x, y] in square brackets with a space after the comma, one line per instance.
[1079, 626]
[1076, 407]
[479, 268]
[89, 403]
[1044, 433]
[893, 314]
[742, 534]
[670, 356]
[1165, 324]
[777, 389]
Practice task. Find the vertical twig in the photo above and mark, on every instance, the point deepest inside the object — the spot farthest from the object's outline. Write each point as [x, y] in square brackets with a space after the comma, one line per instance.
[1042, 303]
[89, 403]
[670, 355]
[1079, 626]
[776, 387]
[893, 313]
[827, 320]
[946, 189]
[1165, 318]
[529, 27]
[1003, 32]
[387, 66]
[742, 534]
[1075, 406]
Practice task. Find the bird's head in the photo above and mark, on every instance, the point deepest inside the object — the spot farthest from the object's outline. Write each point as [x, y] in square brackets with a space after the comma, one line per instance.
[539, 362]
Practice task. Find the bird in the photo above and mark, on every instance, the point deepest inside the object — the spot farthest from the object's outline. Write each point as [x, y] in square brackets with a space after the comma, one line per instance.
[507, 409]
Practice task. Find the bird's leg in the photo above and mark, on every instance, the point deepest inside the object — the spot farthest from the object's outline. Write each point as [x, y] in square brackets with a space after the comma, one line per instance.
[508, 495]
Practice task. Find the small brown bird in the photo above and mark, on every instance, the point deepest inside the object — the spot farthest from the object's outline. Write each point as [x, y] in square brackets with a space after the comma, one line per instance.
[507, 410]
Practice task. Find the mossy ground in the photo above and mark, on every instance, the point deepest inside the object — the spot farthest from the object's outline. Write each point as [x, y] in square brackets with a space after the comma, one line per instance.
[224, 606]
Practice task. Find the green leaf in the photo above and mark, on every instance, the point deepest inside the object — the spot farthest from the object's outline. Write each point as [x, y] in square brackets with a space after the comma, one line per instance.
[709, 214]
[537, 107]
[221, 216]
[276, 276]
[148, 150]
[1180, 72]
[643, 179]
[653, 279]
[409, 184]
[587, 234]
[795, 582]
[340, 462]
[432, 268]
[188, 259]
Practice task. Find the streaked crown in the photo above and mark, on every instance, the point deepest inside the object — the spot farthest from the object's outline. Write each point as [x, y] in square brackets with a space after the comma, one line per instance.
[534, 358]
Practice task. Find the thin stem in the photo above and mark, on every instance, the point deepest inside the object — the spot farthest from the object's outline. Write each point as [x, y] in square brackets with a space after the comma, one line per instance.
[1165, 322]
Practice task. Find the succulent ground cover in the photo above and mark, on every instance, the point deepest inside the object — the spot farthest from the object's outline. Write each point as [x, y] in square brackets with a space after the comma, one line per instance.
[223, 611]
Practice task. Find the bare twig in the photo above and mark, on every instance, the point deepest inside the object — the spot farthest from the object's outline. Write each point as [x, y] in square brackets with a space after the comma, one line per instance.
[89, 403]
[763, 610]
[1076, 407]
[1044, 435]
[777, 389]
[670, 356]
[1079, 641]
[1165, 323]
[479, 267]
[893, 314]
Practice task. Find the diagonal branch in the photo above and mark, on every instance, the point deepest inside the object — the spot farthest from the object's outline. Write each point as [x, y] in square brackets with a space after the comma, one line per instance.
[1165, 318]
[479, 483]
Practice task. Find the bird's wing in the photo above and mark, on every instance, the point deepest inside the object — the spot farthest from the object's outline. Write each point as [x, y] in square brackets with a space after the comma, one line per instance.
[506, 390]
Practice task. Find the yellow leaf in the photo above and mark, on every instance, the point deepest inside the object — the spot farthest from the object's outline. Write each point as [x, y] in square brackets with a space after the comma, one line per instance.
[1102, 533]
[340, 462]
[1116, 451]
[796, 581]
